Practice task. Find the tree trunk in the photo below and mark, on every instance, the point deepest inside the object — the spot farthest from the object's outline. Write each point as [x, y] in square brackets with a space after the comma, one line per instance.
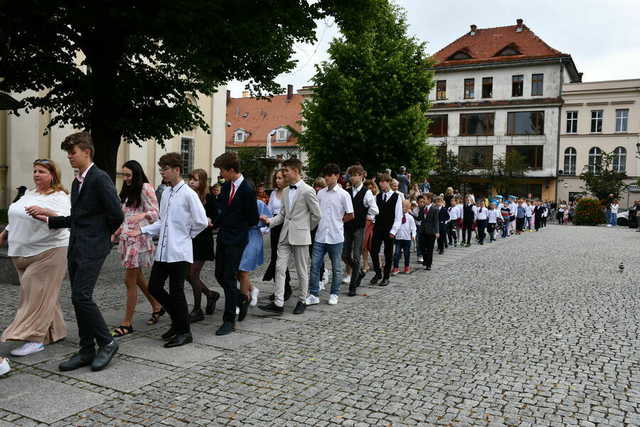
[106, 142]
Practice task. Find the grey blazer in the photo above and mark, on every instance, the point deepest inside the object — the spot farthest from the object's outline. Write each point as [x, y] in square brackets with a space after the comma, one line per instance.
[298, 220]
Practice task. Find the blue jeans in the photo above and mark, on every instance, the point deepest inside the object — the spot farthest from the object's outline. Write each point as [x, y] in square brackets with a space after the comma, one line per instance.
[613, 218]
[402, 247]
[317, 266]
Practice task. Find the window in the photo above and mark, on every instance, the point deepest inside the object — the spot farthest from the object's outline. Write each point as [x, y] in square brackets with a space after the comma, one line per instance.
[622, 120]
[596, 121]
[531, 154]
[487, 87]
[476, 156]
[461, 54]
[479, 124]
[509, 50]
[441, 89]
[537, 81]
[595, 156]
[186, 150]
[468, 89]
[570, 156]
[517, 84]
[525, 123]
[282, 135]
[620, 159]
[438, 126]
[572, 122]
[239, 136]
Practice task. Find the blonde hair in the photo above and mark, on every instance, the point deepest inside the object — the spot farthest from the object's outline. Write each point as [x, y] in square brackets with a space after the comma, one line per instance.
[319, 182]
[53, 169]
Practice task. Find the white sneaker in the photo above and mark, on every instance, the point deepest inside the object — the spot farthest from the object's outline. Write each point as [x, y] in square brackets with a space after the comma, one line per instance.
[27, 349]
[313, 300]
[254, 296]
[321, 284]
[346, 279]
[420, 259]
[4, 366]
[333, 299]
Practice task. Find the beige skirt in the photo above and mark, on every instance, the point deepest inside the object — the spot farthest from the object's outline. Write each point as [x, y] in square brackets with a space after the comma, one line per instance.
[39, 317]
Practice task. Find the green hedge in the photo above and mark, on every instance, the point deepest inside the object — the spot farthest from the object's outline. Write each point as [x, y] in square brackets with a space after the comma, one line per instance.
[589, 212]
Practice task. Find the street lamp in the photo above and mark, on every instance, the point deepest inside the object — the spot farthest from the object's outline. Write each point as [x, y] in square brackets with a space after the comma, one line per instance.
[273, 132]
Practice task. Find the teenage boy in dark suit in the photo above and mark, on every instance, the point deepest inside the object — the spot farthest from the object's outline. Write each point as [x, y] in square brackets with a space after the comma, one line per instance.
[429, 229]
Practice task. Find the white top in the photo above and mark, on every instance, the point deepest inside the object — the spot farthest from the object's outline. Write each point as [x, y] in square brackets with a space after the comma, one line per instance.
[454, 213]
[528, 210]
[182, 217]
[334, 204]
[480, 213]
[400, 194]
[398, 212]
[513, 208]
[81, 178]
[614, 208]
[275, 204]
[29, 236]
[293, 192]
[408, 230]
[369, 201]
[492, 215]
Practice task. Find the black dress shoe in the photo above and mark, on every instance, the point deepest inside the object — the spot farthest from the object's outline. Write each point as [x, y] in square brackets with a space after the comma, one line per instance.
[272, 308]
[384, 282]
[226, 328]
[211, 303]
[104, 356]
[244, 308]
[169, 334]
[375, 279]
[179, 339]
[300, 308]
[196, 315]
[427, 267]
[352, 292]
[76, 361]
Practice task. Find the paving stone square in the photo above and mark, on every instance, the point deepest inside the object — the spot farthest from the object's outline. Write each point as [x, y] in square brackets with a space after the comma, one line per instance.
[153, 349]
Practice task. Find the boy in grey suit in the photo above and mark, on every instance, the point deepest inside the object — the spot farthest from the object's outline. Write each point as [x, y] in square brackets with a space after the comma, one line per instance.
[300, 214]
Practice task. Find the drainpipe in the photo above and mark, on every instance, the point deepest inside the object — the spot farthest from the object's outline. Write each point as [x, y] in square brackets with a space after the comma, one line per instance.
[559, 127]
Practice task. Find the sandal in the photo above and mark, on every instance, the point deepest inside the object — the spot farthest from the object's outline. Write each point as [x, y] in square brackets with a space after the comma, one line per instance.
[155, 316]
[121, 331]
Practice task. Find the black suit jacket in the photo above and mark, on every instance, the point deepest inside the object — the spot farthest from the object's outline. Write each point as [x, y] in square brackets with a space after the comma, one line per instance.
[430, 221]
[236, 218]
[96, 214]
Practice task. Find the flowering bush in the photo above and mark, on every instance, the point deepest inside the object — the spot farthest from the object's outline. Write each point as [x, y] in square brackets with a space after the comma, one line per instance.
[589, 212]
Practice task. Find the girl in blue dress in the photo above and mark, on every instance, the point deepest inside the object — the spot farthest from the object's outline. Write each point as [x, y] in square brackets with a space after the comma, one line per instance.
[252, 258]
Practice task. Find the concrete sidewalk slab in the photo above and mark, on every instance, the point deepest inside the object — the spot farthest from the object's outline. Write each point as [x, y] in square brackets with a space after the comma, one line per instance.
[153, 349]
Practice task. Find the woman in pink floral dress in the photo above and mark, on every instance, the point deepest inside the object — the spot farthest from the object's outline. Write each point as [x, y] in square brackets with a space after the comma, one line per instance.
[140, 208]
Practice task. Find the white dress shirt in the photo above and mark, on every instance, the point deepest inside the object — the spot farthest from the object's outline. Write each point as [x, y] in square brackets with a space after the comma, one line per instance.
[398, 212]
[182, 217]
[334, 203]
[454, 213]
[81, 178]
[480, 213]
[369, 201]
[293, 192]
[492, 216]
[407, 230]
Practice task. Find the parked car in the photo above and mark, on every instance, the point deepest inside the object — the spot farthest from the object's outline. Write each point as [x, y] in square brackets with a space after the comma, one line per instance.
[623, 218]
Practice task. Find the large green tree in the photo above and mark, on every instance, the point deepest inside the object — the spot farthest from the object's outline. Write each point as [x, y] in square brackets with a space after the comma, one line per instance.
[122, 69]
[505, 171]
[602, 179]
[448, 171]
[370, 98]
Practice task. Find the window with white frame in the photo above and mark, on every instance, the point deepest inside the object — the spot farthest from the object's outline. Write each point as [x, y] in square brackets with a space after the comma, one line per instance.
[596, 121]
[282, 134]
[570, 156]
[620, 159]
[186, 150]
[595, 157]
[572, 122]
[622, 120]
[239, 135]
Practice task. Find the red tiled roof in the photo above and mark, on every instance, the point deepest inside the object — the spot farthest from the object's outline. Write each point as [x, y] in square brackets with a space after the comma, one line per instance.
[486, 43]
[261, 116]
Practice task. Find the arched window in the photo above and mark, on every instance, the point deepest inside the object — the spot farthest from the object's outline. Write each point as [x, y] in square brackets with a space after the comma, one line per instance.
[620, 159]
[570, 161]
[595, 156]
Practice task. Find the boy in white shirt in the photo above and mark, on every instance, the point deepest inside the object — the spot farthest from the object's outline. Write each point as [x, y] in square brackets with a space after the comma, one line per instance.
[480, 216]
[492, 220]
[454, 216]
[405, 235]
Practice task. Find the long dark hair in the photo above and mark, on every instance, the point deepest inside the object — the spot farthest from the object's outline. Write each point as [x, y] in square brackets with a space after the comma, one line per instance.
[130, 194]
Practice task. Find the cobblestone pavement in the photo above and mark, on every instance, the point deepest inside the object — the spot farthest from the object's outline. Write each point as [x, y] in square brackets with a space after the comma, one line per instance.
[540, 329]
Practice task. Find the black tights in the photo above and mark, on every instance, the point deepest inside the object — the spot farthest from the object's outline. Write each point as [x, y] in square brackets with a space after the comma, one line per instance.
[197, 285]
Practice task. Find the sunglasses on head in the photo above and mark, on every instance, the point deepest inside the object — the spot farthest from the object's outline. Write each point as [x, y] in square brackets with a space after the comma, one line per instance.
[43, 161]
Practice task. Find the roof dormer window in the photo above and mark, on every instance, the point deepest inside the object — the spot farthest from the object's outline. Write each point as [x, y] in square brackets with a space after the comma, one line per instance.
[240, 135]
[461, 54]
[509, 50]
[282, 134]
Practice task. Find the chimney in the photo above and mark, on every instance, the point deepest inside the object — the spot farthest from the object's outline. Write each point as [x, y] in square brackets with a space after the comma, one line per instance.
[289, 92]
[580, 77]
[245, 94]
[228, 97]
[473, 29]
[519, 27]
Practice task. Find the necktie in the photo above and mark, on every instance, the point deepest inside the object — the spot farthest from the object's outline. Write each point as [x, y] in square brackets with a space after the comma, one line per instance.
[232, 195]
[384, 197]
[404, 218]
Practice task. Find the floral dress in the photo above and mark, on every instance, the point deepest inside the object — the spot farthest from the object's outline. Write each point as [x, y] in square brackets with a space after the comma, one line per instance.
[137, 252]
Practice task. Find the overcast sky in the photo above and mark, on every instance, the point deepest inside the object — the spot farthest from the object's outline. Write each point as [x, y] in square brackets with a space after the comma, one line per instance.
[603, 37]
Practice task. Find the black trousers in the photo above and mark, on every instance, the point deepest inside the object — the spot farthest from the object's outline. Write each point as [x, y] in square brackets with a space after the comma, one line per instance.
[376, 244]
[442, 239]
[491, 228]
[83, 274]
[352, 252]
[173, 301]
[482, 226]
[467, 228]
[451, 232]
[428, 242]
[227, 265]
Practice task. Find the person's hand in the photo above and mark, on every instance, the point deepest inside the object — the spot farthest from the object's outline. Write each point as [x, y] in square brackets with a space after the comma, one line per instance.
[210, 222]
[265, 219]
[3, 238]
[134, 219]
[437, 235]
[393, 236]
[37, 211]
[43, 218]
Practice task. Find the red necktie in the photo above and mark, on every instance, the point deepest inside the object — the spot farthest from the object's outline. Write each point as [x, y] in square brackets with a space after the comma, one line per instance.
[232, 195]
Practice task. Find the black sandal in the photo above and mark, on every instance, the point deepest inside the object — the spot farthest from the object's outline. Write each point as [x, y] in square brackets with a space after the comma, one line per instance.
[121, 331]
[155, 316]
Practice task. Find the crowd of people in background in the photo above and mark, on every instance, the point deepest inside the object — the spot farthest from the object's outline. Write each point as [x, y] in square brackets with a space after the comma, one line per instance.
[357, 221]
